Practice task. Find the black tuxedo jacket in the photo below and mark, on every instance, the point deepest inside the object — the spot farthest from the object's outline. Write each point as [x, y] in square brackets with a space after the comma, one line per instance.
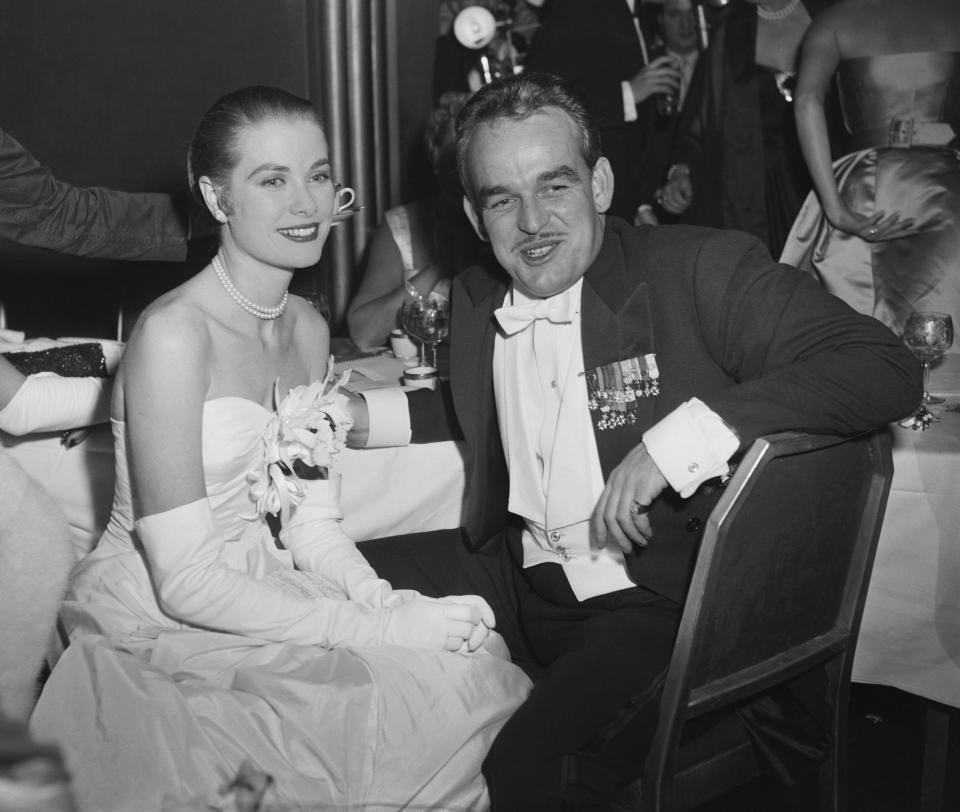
[760, 343]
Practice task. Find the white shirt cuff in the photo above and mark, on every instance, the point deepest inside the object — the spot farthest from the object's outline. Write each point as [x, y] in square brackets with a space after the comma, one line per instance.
[389, 416]
[629, 102]
[691, 445]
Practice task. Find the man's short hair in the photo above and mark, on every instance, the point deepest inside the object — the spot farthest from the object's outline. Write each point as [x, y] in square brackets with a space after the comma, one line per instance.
[518, 97]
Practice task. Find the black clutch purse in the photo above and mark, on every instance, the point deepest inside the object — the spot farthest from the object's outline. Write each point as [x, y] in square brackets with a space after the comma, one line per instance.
[72, 361]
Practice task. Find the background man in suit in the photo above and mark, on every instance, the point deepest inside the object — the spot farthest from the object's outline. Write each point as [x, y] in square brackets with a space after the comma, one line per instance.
[678, 36]
[598, 48]
[602, 378]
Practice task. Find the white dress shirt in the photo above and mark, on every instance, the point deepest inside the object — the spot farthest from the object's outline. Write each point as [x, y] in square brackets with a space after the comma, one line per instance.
[545, 427]
[629, 101]
[687, 63]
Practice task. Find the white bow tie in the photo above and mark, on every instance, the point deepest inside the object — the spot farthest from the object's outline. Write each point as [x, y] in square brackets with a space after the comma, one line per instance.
[560, 309]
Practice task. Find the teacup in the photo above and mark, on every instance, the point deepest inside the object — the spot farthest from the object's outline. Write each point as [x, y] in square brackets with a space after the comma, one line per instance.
[345, 198]
[403, 348]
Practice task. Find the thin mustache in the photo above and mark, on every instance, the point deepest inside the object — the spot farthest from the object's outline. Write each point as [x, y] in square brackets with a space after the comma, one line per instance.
[544, 235]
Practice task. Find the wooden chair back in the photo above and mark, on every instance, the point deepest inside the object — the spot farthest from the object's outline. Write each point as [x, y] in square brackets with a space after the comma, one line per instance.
[778, 589]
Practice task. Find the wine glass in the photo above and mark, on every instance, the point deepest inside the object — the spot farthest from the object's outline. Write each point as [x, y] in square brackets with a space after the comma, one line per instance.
[929, 336]
[428, 321]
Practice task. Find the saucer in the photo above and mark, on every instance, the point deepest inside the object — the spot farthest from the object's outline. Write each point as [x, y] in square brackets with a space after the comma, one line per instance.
[346, 214]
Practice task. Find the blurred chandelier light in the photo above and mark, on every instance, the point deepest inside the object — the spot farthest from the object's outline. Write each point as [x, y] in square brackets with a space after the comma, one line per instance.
[491, 33]
[475, 27]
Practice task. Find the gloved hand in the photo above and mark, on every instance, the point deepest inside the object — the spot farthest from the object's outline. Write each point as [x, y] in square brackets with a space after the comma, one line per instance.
[487, 620]
[315, 538]
[453, 623]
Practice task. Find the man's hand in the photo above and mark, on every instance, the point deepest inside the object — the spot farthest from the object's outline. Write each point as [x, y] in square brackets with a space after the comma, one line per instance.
[620, 516]
[358, 435]
[645, 216]
[660, 76]
[676, 195]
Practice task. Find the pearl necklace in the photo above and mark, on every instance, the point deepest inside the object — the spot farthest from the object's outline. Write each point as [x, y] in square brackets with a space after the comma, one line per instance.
[779, 14]
[266, 313]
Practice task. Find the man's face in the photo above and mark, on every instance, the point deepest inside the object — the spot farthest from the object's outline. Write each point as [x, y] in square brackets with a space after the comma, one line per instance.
[678, 26]
[539, 204]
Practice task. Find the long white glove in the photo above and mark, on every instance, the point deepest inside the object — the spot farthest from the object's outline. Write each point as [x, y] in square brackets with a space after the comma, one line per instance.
[315, 538]
[183, 549]
[46, 401]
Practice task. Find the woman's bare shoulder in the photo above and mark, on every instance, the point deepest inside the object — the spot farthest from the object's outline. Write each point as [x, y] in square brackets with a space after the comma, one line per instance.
[306, 319]
[310, 337]
[166, 358]
[175, 322]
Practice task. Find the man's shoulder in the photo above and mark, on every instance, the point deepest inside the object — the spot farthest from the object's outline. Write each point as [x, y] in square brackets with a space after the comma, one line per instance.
[481, 278]
[679, 242]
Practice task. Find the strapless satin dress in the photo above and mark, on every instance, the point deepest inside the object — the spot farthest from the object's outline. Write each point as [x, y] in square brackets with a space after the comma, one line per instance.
[891, 279]
[154, 714]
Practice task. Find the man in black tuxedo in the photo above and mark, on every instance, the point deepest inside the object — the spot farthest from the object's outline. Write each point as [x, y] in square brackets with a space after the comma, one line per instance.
[602, 379]
[678, 36]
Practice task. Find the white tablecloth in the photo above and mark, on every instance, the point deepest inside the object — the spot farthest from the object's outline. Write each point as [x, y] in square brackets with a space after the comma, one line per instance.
[910, 636]
[384, 491]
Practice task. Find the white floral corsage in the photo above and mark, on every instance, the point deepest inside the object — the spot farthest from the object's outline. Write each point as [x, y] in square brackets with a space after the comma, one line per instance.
[310, 425]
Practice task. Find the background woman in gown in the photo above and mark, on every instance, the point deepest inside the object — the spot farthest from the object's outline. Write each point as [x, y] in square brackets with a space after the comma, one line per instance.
[197, 640]
[736, 161]
[883, 231]
[422, 244]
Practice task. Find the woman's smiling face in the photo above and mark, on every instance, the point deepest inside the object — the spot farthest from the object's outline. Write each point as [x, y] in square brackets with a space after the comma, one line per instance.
[280, 197]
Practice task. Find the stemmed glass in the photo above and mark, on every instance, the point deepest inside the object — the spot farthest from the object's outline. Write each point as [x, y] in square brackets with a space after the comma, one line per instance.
[428, 321]
[929, 336]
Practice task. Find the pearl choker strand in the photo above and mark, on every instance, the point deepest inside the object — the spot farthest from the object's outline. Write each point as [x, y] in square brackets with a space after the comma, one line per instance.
[779, 14]
[252, 308]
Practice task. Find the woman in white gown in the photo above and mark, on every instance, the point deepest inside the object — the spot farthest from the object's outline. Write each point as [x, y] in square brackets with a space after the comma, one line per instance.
[198, 640]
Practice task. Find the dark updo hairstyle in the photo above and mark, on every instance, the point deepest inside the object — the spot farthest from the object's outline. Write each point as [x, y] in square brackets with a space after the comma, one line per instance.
[213, 149]
[519, 97]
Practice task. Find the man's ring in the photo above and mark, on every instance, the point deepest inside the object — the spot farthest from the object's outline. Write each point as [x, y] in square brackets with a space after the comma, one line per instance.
[873, 232]
[636, 508]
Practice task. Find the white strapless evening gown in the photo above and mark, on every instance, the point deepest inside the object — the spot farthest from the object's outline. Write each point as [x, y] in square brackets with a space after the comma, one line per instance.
[149, 711]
